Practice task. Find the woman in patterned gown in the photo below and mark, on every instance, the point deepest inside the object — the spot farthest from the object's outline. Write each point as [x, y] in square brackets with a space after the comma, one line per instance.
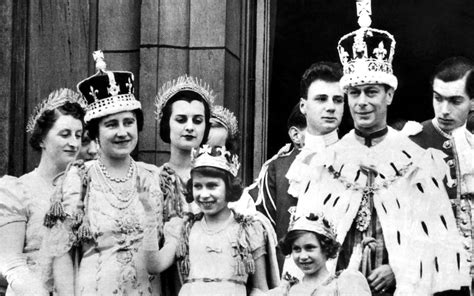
[56, 127]
[105, 192]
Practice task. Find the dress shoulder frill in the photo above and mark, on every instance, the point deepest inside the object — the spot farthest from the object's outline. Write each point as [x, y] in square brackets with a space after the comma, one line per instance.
[420, 232]
[250, 244]
[13, 207]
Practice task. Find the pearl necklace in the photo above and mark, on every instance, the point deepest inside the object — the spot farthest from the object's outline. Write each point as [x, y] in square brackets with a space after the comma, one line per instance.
[123, 198]
[105, 172]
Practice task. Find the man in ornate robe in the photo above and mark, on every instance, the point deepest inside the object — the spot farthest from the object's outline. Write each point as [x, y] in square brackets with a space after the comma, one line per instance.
[383, 192]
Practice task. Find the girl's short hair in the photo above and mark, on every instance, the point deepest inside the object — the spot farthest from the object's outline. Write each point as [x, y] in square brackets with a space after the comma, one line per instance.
[45, 122]
[233, 187]
[187, 96]
[93, 125]
[330, 247]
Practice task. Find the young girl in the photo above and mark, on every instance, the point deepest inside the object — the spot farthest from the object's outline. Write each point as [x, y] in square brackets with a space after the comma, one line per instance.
[311, 241]
[219, 252]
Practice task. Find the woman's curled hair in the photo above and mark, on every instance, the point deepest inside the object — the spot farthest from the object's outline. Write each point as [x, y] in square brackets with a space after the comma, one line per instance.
[46, 120]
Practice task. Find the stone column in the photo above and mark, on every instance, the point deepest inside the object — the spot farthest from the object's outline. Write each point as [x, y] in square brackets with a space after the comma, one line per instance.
[196, 37]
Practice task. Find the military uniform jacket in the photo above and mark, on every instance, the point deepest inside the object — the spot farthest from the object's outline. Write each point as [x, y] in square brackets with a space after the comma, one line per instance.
[460, 178]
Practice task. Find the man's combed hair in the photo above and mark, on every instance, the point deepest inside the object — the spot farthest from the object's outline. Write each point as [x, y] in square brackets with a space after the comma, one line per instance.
[233, 185]
[329, 247]
[326, 71]
[455, 68]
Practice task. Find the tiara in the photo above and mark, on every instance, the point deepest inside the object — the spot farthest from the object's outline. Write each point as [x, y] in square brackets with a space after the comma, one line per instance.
[182, 83]
[314, 222]
[217, 157]
[55, 99]
[225, 117]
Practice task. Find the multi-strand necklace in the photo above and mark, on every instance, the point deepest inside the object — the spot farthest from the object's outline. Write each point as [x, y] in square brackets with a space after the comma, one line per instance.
[124, 195]
[105, 172]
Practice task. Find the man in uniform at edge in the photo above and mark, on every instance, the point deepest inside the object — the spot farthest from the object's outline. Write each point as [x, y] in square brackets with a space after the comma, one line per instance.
[380, 189]
[453, 96]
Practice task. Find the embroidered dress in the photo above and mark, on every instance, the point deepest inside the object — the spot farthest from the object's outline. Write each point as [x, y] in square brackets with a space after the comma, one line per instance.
[112, 229]
[218, 262]
[419, 230]
[26, 199]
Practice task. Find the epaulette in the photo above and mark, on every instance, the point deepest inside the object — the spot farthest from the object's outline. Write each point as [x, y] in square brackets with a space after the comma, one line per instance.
[285, 150]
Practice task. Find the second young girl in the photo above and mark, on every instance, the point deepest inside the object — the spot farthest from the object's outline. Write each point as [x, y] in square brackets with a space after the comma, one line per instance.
[311, 241]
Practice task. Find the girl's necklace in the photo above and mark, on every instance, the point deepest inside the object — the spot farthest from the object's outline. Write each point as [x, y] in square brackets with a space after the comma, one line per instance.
[222, 227]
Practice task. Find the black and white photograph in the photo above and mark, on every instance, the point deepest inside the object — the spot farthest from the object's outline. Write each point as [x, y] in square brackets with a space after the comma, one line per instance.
[237, 147]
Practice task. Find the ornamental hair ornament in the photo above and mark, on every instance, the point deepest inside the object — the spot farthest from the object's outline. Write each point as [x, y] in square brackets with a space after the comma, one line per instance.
[55, 99]
[182, 83]
[217, 157]
[225, 117]
[314, 222]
